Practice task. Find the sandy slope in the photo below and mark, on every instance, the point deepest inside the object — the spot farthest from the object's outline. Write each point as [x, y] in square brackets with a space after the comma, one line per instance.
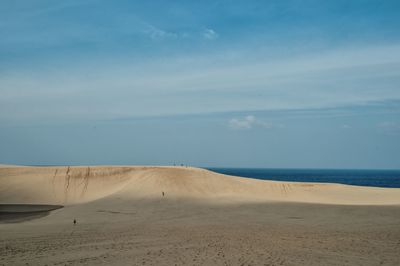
[204, 219]
[73, 185]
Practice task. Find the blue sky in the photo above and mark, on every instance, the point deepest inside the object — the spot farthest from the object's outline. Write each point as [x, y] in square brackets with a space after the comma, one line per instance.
[311, 84]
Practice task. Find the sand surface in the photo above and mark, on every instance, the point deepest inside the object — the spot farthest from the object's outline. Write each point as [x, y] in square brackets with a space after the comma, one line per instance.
[203, 218]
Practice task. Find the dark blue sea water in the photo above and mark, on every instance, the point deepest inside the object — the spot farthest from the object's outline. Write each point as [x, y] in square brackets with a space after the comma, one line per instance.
[374, 178]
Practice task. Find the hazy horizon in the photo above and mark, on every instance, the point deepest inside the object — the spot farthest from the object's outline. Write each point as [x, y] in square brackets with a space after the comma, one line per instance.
[277, 84]
[216, 167]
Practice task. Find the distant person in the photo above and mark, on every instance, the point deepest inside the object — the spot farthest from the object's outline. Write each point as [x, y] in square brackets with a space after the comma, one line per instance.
[163, 193]
[74, 221]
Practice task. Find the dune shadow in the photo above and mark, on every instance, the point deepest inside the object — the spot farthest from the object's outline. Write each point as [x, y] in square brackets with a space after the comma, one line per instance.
[16, 213]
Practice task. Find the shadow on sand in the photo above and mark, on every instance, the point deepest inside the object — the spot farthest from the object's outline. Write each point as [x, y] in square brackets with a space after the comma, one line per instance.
[16, 213]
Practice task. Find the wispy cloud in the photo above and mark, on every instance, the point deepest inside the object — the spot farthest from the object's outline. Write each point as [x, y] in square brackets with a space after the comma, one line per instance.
[156, 33]
[390, 127]
[179, 85]
[242, 123]
[116, 63]
[210, 34]
[247, 122]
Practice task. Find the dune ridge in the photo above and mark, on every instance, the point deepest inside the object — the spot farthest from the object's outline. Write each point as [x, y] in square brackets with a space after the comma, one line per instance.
[79, 184]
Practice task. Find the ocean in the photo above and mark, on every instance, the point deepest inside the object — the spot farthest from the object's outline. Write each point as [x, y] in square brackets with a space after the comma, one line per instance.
[373, 178]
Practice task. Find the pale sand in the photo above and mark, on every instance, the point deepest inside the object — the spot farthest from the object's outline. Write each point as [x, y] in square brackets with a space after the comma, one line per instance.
[204, 219]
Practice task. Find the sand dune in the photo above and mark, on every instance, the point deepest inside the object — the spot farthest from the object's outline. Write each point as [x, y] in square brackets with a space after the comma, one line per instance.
[73, 185]
[204, 218]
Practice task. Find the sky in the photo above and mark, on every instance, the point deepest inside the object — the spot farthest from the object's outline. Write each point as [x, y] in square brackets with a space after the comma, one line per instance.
[274, 84]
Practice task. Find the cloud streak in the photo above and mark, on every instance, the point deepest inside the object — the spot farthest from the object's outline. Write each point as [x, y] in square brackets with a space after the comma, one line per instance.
[157, 33]
[242, 123]
[94, 65]
[210, 34]
[181, 85]
[390, 127]
[248, 122]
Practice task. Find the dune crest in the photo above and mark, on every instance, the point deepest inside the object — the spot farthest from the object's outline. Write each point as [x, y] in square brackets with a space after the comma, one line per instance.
[79, 184]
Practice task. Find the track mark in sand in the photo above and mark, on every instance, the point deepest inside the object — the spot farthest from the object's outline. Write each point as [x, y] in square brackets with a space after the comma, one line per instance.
[55, 174]
[85, 181]
[66, 184]
[294, 217]
[283, 189]
[53, 182]
[117, 212]
[286, 188]
[67, 176]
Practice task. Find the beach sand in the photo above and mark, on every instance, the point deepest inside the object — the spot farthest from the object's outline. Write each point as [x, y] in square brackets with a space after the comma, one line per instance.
[204, 218]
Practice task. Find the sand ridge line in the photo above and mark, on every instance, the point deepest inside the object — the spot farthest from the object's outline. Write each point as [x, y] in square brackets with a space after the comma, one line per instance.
[87, 183]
